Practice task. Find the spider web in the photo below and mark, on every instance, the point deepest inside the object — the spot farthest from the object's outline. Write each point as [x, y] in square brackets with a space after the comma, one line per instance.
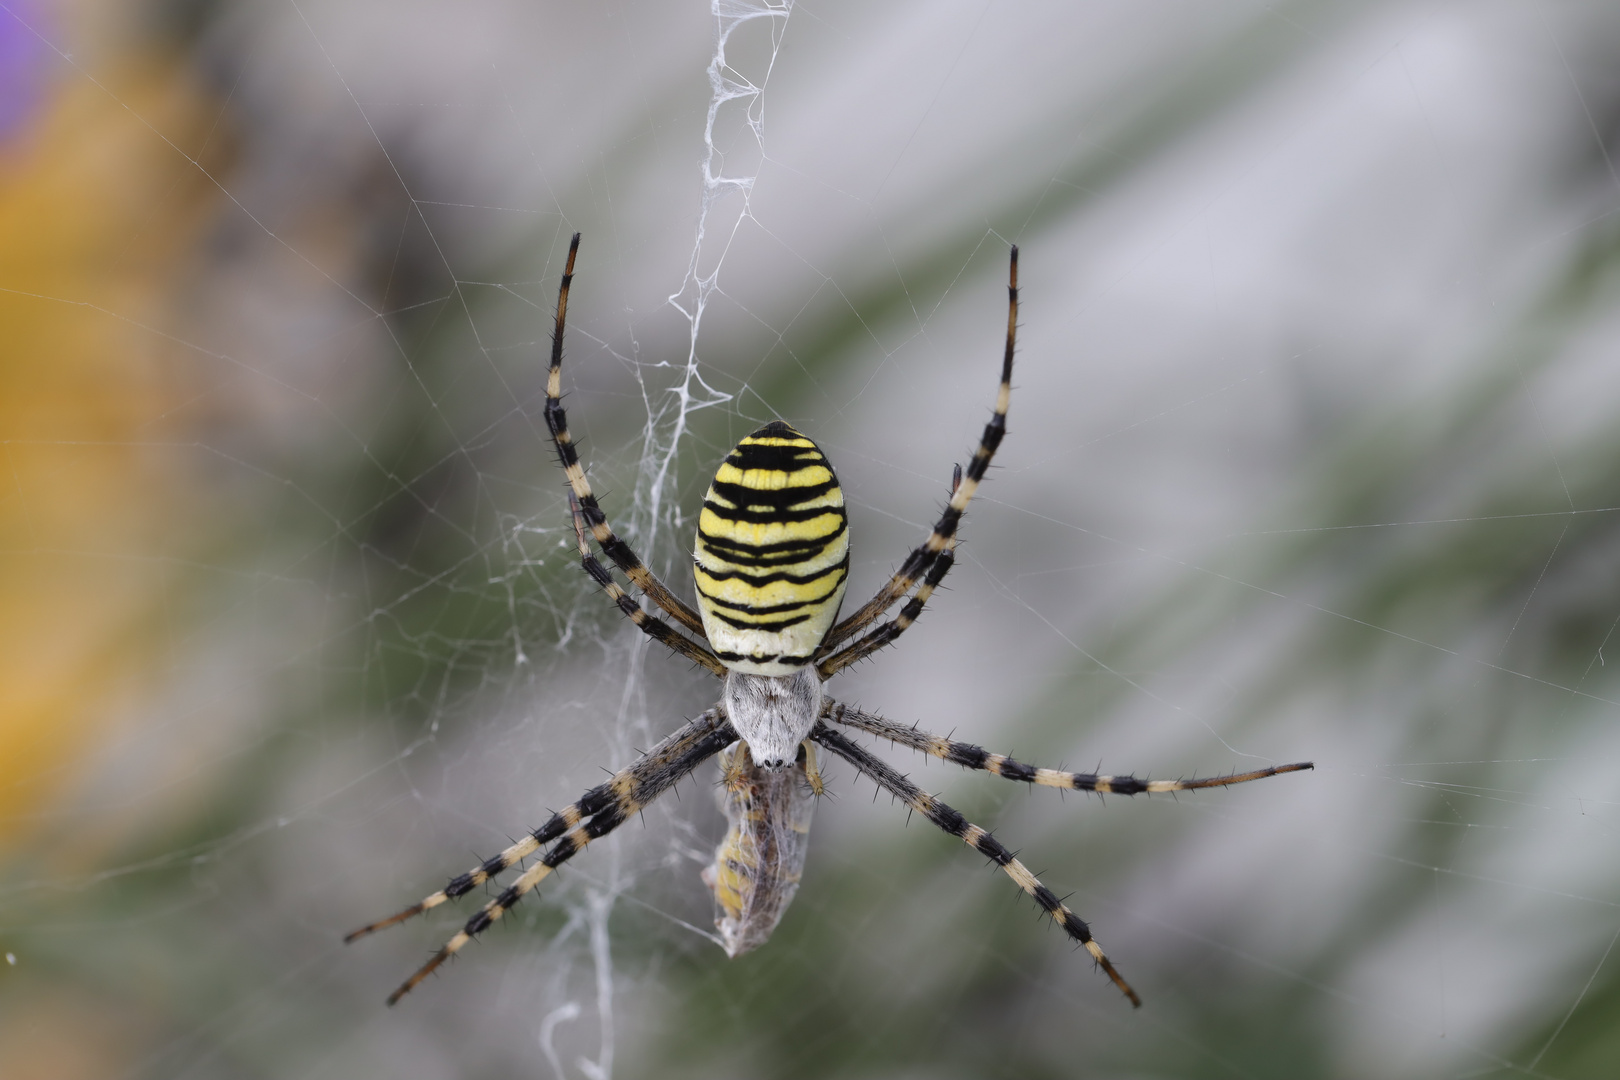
[1310, 457]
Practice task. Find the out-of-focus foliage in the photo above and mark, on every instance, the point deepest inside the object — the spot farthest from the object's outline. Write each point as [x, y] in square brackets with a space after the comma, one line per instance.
[1312, 455]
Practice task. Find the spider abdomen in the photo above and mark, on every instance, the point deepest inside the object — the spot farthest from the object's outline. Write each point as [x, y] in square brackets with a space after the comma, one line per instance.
[772, 553]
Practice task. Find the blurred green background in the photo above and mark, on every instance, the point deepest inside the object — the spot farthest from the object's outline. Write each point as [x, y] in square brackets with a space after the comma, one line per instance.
[1314, 454]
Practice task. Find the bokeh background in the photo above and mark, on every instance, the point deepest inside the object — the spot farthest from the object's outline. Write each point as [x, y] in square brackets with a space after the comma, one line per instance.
[1314, 454]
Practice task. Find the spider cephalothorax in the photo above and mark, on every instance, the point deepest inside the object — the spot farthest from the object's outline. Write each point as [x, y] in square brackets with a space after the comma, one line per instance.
[771, 561]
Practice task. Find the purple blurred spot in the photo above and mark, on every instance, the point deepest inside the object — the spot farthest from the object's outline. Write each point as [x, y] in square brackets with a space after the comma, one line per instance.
[23, 64]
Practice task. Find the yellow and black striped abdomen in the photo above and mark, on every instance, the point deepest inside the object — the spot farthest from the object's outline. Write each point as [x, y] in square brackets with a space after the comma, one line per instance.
[772, 553]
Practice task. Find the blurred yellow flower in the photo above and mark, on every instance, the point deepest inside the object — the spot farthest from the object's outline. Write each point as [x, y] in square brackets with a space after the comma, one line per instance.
[99, 208]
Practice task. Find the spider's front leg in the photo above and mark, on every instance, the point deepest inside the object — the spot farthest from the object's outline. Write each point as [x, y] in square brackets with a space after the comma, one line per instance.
[600, 811]
[976, 838]
[970, 756]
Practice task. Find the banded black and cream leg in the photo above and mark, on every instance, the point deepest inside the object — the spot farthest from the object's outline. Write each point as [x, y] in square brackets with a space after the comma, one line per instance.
[651, 625]
[886, 633]
[923, 558]
[970, 756]
[976, 838]
[589, 509]
[601, 810]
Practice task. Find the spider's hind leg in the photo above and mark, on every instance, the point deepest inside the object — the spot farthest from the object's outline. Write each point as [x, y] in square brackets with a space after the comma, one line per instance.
[941, 541]
[568, 454]
[654, 627]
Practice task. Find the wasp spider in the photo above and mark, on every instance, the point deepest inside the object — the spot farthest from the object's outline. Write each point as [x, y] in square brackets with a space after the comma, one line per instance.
[772, 561]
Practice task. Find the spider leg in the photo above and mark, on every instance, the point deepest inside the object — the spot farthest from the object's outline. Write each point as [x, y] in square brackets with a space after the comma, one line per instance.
[976, 838]
[557, 422]
[859, 650]
[926, 556]
[661, 768]
[885, 634]
[593, 802]
[651, 625]
[606, 806]
[976, 757]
